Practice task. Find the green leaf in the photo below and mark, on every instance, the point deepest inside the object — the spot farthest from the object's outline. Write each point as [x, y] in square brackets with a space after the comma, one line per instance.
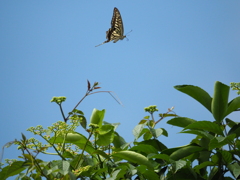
[155, 143]
[137, 131]
[203, 165]
[118, 141]
[102, 153]
[12, 170]
[220, 141]
[235, 130]
[165, 133]
[147, 134]
[235, 169]
[178, 165]
[197, 93]
[184, 152]
[181, 121]
[144, 149]
[158, 132]
[207, 126]
[212, 173]
[75, 138]
[64, 167]
[134, 157]
[230, 123]
[227, 156]
[215, 158]
[150, 175]
[161, 156]
[97, 117]
[167, 115]
[105, 129]
[220, 101]
[106, 138]
[83, 122]
[233, 105]
[114, 175]
[199, 133]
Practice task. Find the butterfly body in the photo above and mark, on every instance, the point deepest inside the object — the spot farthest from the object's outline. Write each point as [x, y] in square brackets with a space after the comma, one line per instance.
[116, 32]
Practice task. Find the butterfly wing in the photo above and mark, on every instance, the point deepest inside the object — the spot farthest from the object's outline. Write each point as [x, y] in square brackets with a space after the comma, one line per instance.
[116, 31]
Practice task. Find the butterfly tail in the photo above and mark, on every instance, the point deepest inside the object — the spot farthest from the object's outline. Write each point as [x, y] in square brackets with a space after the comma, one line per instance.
[102, 43]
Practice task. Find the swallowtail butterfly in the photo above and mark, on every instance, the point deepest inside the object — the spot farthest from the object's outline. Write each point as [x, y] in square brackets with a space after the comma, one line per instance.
[116, 31]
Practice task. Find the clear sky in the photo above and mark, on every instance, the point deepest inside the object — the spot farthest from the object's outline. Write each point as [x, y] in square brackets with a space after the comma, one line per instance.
[47, 48]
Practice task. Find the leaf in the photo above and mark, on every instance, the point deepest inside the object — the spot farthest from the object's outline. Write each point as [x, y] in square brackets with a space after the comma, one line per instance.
[137, 131]
[235, 169]
[144, 149]
[197, 93]
[199, 133]
[178, 165]
[227, 156]
[97, 117]
[203, 165]
[220, 101]
[150, 175]
[118, 141]
[64, 167]
[166, 115]
[102, 153]
[207, 126]
[156, 132]
[220, 141]
[134, 157]
[106, 138]
[233, 105]
[83, 122]
[235, 130]
[89, 85]
[184, 152]
[230, 123]
[105, 129]
[181, 121]
[75, 138]
[147, 134]
[12, 170]
[161, 156]
[155, 143]
[165, 133]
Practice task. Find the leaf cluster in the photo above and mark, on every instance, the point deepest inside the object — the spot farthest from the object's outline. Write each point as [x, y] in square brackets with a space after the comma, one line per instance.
[213, 153]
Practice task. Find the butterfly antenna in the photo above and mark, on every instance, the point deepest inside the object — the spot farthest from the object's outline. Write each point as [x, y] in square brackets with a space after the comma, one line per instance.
[128, 33]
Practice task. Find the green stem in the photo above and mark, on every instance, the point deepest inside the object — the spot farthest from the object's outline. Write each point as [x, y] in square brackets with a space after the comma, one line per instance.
[80, 157]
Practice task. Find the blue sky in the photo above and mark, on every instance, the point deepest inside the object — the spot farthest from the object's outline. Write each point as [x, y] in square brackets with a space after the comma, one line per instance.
[47, 48]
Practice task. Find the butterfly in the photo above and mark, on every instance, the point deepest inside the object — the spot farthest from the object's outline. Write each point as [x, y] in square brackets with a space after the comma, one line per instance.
[116, 31]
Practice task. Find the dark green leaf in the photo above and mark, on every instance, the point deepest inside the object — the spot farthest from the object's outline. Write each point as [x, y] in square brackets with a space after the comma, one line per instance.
[233, 105]
[134, 157]
[144, 149]
[184, 152]
[197, 93]
[207, 126]
[199, 133]
[220, 101]
[12, 170]
[181, 121]
[235, 130]
[220, 141]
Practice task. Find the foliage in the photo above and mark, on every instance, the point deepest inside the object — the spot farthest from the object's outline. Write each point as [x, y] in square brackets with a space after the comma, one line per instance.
[212, 154]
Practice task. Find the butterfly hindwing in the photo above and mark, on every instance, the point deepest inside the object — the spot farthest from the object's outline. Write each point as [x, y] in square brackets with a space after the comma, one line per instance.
[116, 32]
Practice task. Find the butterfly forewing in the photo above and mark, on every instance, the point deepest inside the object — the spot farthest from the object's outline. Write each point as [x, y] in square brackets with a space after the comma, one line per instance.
[117, 26]
[116, 31]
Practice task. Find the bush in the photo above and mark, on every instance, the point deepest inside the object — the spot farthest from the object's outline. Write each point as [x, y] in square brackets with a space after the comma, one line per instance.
[104, 154]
